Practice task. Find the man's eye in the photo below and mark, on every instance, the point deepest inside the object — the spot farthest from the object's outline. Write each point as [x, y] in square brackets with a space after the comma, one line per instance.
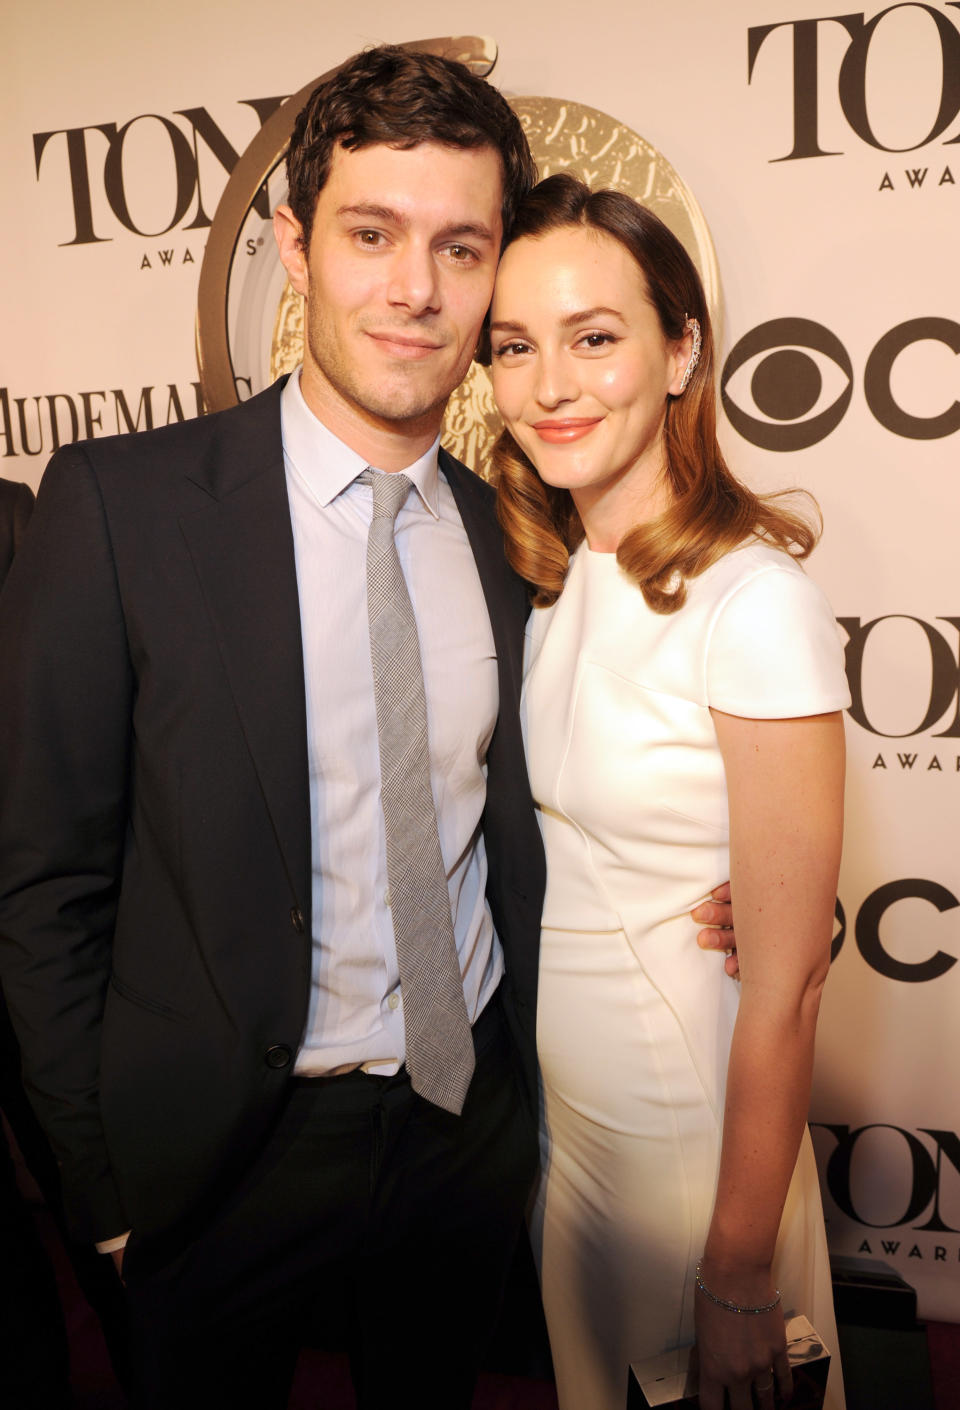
[460, 254]
[371, 238]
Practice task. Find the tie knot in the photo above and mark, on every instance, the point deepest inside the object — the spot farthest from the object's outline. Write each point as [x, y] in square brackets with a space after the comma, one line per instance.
[389, 492]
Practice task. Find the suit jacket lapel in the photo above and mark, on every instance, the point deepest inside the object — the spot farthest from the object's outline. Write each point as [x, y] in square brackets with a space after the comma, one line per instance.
[242, 548]
[503, 593]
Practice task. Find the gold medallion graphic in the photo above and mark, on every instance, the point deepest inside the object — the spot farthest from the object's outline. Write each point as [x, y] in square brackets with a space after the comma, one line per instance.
[250, 321]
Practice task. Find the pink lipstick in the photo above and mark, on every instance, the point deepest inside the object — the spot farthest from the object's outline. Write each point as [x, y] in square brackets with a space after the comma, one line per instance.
[569, 429]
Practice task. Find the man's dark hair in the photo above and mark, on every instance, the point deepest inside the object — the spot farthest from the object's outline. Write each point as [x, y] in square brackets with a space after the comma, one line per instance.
[402, 97]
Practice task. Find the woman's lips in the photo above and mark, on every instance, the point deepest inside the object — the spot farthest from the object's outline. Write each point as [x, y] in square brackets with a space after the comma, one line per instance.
[559, 432]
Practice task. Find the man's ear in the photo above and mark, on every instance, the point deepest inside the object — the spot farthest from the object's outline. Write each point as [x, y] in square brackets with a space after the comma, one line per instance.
[289, 236]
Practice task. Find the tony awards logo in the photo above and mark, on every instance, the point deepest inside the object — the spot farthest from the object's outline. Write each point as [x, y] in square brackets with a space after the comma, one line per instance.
[900, 39]
[250, 322]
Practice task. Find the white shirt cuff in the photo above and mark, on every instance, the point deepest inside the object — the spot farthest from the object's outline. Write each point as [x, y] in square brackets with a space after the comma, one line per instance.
[111, 1245]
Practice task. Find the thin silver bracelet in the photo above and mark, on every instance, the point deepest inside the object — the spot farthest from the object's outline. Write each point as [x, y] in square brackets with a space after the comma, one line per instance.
[735, 1306]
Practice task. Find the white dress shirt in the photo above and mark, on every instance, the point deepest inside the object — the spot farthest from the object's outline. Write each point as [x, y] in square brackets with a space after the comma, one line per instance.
[356, 1008]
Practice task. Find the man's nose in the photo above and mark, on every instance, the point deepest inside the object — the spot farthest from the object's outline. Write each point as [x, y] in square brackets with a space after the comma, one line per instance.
[413, 280]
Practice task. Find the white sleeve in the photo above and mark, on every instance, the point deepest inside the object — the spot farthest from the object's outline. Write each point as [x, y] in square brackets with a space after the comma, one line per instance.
[775, 650]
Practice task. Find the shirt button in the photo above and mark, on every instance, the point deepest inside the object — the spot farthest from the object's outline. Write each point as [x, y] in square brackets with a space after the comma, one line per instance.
[296, 919]
[278, 1055]
[394, 1001]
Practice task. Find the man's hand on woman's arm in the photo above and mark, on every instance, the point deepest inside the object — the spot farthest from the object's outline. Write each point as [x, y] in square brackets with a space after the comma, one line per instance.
[717, 917]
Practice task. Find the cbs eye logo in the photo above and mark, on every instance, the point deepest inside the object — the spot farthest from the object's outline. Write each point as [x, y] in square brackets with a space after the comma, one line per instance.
[798, 378]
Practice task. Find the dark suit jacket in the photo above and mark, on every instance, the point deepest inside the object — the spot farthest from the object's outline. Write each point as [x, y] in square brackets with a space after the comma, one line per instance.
[16, 502]
[155, 884]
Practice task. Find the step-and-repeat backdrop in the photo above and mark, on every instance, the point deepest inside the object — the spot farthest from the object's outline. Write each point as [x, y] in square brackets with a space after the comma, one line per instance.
[822, 151]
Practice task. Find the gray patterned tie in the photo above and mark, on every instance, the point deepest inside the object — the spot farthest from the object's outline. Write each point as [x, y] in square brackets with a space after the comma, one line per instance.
[440, 1055]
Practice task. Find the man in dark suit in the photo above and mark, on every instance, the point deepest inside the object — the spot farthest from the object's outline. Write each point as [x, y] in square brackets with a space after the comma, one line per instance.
[199, 947]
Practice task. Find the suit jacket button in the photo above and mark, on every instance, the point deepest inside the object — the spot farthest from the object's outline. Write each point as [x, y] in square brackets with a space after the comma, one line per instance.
[296, 919]
[279, 1055]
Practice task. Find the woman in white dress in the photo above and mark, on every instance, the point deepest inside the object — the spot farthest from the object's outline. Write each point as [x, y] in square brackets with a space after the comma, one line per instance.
[684, 682]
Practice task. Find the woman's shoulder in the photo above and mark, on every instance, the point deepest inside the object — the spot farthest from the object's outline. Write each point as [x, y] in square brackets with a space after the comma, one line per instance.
[774, 647]
[751, 559]
[763, 589]
[757, 579]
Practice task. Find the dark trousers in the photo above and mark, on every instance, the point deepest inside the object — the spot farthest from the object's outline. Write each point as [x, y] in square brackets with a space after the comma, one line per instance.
[34, 1354]
[368, 1209]
[34, 1357]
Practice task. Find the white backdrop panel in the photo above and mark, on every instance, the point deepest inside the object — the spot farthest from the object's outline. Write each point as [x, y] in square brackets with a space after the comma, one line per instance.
[860, 242]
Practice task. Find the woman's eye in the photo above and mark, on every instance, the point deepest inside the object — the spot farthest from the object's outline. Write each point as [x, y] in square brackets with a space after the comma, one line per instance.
[597, 340]
[510, 349]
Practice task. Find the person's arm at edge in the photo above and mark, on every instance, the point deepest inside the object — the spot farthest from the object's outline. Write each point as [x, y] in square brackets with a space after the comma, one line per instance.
[785, 786]
[22, 509]
[65, 699]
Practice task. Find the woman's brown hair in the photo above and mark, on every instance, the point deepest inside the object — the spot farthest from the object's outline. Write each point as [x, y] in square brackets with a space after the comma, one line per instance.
[712, 511]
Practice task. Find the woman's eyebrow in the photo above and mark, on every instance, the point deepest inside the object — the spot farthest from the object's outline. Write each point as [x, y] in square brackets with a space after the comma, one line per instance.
[569, 320]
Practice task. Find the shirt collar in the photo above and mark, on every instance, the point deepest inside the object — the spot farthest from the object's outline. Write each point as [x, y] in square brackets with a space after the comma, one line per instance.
[327, 466]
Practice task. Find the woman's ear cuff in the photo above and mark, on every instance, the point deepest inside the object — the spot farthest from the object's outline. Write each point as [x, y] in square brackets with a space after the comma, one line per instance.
[691, 326]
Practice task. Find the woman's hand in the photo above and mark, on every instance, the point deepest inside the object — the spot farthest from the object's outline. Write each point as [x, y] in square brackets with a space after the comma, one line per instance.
[744, 1355]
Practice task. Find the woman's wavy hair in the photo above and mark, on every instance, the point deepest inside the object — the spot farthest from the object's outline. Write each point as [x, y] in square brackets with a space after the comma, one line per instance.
[711, 511]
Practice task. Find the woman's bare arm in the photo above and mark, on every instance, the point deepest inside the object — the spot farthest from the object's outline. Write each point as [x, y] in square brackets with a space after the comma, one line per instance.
[785, 786]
